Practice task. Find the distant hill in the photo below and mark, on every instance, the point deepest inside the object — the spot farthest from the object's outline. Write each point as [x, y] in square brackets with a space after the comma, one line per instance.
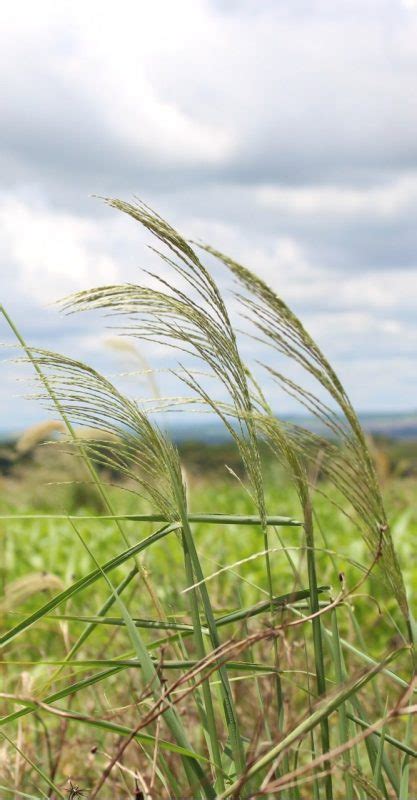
[211, 431]
[206, 447]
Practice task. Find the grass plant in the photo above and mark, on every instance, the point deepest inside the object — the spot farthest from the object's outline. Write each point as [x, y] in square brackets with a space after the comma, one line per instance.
[223, 652]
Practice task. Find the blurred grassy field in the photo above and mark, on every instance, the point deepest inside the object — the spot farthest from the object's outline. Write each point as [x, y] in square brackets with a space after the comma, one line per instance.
[49, 480]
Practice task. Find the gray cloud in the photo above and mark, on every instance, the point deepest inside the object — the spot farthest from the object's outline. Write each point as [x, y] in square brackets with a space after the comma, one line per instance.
[292, 93]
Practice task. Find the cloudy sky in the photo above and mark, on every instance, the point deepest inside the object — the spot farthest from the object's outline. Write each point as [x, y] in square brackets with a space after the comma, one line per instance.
[282, 131]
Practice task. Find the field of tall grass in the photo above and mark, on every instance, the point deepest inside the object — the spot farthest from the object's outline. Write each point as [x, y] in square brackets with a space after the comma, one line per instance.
[244, 632]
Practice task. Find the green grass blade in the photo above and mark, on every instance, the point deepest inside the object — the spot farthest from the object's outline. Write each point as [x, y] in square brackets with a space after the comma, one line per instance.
[402, 746]
[85, 582]
[378, 763]
[227, 619]
[113, 727]
[344, 733]
[210, 719]
[93, 624]
[317, 636]
[17, 794]
[213, 519]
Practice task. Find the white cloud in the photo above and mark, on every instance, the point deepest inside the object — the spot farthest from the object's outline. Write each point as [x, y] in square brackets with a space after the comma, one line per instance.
[389, 200]
[51, 253]
[95, 75]
[252, 90]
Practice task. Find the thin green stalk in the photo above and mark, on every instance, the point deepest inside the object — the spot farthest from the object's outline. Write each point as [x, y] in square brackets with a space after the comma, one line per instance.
[213, 519]
[377, 776]
[344, 733]
[356, 755]
[277, 680]
[228, 703]
[227, 619]
[317, 636]
[149, 624]
[405, 763]
[310, 695]
[405, 748]
[201, 653]
[124, 662]
[372, 749]
[286, 769]
[371, 742]
[152, 680]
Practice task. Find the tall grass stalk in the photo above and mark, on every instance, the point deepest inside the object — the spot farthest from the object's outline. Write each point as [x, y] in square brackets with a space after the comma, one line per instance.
[344, 732]
[194, 772]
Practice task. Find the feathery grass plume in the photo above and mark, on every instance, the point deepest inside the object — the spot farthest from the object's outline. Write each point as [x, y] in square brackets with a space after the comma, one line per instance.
[92, 402]
[189, 313]
[200, 327]
[195, 320]
[127, 348]
[350, 466]
[37, 433]
[20, 590]
[84, 433]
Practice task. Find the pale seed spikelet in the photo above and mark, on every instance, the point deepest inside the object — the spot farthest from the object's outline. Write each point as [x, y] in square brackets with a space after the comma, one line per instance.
[22, 589]
[124, 346]
[40, 432]
[85, 433]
